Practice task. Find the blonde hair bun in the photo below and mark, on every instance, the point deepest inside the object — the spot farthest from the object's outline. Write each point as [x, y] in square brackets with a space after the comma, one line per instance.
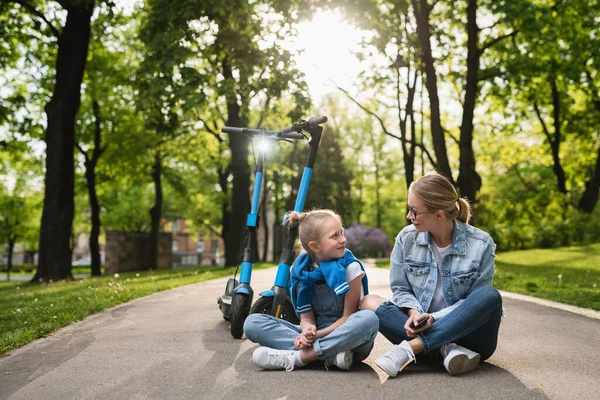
[438, 193]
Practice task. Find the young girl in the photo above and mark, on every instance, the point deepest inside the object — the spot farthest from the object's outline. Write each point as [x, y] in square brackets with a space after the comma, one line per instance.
[441, 278]
[327, 286]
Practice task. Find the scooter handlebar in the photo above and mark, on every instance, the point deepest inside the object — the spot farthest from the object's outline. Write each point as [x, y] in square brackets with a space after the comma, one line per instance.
[266, 134]
[290, 135]
[289, 132]
[314, 121]
[231, 129]
[311, 123]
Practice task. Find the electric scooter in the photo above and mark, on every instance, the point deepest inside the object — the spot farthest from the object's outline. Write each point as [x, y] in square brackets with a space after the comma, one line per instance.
[235, 303]
[277, 301]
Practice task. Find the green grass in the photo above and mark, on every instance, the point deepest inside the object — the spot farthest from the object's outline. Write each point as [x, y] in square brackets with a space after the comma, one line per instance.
[16, 272]
[568, 275]
[32, 311]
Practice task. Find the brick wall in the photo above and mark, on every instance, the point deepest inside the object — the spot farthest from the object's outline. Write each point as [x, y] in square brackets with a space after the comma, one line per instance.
[128, 251]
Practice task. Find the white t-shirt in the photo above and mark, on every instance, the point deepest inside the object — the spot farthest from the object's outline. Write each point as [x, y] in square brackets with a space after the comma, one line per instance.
[354, 271]
[438, 302]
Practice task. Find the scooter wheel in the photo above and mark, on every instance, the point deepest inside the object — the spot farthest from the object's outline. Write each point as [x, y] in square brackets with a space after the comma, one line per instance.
[265, 304]
[240, 307]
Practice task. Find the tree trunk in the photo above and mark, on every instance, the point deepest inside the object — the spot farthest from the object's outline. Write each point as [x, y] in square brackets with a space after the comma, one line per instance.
[225, 206]
[421, 9]
[592, 187]
[358, 209]
[422, 127]
[555, 141]
[408, 144]
[61, 110]
[555, 144]
[12, 239]
[378, 210]
[469, 181]
[240, 194]
[294, 181]
[155, 213]
[278, 216]
[409, 164]
[90, 174]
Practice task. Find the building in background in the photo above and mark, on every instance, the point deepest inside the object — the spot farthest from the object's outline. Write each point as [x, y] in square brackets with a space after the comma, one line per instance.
[189, 250]
[194, 250]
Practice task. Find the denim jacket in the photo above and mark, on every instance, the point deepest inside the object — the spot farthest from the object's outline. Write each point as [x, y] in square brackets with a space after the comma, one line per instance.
[468, 265]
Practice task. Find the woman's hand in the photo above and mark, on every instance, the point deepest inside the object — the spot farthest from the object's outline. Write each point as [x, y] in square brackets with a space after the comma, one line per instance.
[414, 317]
[307, 337]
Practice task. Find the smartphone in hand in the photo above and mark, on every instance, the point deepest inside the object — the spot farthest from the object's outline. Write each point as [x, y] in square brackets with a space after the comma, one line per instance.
[421, 323]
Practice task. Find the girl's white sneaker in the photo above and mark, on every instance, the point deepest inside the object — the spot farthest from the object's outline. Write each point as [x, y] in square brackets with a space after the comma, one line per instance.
[342, 360]
[268, 358]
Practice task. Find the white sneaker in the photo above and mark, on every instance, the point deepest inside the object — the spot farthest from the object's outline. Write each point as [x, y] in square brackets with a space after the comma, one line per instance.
[268, 358]
[396, 358]
[342, 360]
[458, 359]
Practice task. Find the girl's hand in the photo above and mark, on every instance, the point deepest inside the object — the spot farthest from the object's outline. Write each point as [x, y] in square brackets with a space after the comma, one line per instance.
[306, 338]
[414, 318]
[310, 332]
[301, 342]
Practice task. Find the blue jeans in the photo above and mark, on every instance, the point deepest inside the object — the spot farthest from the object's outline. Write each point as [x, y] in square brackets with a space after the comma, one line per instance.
[474, 324]
[357, 334]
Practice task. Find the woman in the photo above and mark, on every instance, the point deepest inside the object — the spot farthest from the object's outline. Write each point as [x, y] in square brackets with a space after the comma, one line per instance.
[441, 278]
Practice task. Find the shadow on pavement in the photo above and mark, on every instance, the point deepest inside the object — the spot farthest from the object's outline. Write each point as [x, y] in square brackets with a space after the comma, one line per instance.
[230, 374]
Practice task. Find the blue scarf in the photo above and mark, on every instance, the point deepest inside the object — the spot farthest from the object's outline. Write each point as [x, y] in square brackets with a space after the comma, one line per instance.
[332, 272]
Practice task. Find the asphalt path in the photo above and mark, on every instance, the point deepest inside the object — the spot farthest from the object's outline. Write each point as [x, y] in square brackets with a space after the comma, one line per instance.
[176, 345]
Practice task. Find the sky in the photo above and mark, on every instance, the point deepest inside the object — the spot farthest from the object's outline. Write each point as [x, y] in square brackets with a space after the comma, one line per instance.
[328, 43]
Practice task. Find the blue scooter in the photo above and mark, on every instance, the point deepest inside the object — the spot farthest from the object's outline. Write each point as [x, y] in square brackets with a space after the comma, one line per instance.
[235, 303]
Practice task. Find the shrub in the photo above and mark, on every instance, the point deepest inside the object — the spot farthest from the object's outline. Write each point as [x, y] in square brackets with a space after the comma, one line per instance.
[367, 242]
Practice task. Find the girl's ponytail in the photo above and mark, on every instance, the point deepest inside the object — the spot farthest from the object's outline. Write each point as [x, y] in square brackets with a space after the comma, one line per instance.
[310, 225]
[294, 219]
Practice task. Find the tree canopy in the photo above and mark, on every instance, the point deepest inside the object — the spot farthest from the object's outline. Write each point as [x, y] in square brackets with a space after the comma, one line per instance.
[110, 118]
